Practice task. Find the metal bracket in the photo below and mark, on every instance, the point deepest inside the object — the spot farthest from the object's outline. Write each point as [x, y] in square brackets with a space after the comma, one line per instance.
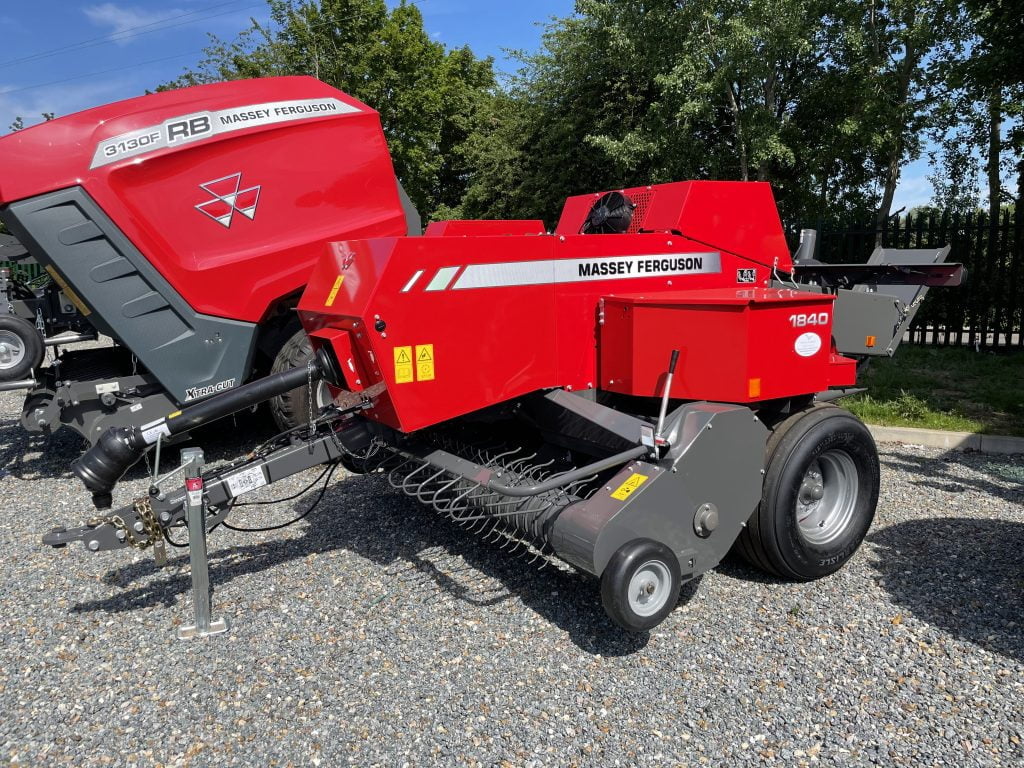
[195, 511]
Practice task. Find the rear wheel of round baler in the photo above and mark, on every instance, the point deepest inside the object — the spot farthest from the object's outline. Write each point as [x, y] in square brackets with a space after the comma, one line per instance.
[292, 408]
[21, 348]
[819, 496]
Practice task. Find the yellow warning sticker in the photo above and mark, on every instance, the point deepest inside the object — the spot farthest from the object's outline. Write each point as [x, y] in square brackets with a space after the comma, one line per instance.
[403, 365]
[334, 291]
[425, 362]
[625, 490]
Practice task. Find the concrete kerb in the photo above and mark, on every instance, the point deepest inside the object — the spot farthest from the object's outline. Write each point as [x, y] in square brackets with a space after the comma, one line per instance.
[954, 441]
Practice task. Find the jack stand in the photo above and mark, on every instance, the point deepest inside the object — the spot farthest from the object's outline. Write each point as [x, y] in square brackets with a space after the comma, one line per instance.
[195, 507]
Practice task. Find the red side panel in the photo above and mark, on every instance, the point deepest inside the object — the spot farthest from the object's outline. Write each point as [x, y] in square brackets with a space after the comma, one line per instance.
[735, 216]
[453, 324]
[739, 346]
[231, 190]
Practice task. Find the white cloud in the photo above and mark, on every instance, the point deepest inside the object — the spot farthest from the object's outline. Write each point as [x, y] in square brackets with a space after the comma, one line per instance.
[122, 19]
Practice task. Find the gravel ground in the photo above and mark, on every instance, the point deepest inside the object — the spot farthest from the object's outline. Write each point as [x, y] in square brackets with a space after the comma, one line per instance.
[373, 633]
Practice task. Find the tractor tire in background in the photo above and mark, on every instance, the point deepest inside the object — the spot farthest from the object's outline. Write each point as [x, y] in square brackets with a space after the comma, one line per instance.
[819, 496]
[21, 349]
[292, 408]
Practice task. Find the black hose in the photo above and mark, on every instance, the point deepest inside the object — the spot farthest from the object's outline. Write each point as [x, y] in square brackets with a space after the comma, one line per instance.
[568, 477]
[119, 448]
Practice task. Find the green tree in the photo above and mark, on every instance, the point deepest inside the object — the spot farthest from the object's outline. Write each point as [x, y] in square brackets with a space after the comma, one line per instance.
[633, 91]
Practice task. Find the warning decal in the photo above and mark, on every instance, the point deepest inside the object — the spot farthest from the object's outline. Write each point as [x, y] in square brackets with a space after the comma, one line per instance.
[625, 490]
[425, 362]
[334, 291]
[403, 365]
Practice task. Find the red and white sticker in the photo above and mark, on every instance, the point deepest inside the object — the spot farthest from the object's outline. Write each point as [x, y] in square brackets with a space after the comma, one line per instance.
[807, 344]
[194, 489]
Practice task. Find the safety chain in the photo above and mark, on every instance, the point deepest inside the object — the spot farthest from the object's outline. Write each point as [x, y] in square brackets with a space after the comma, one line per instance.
[142, 507]
[310, 394]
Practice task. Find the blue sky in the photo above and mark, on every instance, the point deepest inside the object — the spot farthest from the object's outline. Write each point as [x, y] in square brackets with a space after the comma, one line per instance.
[65, 55]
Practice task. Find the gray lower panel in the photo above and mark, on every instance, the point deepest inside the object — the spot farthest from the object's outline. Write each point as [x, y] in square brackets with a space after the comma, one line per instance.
[130, 300]
[715, 465]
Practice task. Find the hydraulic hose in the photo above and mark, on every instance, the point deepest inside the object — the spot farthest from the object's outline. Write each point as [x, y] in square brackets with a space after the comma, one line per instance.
[119, 448]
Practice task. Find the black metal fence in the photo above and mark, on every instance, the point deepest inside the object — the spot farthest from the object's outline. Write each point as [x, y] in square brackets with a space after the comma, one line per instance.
[988, 310]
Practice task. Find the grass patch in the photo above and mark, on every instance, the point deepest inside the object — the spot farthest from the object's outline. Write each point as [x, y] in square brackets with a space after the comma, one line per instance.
[944, 388]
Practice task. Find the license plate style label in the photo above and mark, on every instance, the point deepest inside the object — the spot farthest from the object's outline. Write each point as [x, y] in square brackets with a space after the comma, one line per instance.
[245, 481]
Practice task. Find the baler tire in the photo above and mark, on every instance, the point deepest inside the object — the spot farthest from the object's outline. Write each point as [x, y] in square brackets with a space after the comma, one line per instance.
[291, 409]
[24, 348]
[640, 559]
[827, 447]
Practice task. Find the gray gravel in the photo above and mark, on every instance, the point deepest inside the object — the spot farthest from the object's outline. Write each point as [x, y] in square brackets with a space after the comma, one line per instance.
[373, 633]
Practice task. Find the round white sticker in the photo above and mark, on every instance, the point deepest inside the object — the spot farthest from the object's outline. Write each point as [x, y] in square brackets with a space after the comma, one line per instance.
[807, 344]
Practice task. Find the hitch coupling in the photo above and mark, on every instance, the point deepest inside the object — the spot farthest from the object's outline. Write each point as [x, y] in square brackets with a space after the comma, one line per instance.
[120, 448]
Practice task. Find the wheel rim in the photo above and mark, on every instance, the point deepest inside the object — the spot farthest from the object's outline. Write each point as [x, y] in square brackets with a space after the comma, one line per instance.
[649, 588]
[12, 350]
[322, 396]
[827, 497]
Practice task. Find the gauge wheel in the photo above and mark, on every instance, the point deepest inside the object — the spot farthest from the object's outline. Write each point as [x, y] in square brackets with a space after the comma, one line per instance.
[640, 585]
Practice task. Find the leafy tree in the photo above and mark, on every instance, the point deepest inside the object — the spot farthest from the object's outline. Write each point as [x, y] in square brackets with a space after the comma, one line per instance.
[983, 92]
[628, 91]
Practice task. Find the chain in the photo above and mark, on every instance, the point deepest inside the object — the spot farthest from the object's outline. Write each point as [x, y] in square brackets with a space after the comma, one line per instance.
[310, 394]
[143, 508]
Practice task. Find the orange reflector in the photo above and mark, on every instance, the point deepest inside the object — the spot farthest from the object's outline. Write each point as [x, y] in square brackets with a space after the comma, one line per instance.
[869, 341]
[754, 388]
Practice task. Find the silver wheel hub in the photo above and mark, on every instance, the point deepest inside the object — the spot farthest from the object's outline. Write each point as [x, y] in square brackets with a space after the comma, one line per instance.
[827, 497]
[649, 588]
[322, 395]
[12, 350]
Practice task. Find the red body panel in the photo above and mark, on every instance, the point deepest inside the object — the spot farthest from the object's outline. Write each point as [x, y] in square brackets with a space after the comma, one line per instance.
[736, 345]
[321, 175]
[450, 325]
[739, 218]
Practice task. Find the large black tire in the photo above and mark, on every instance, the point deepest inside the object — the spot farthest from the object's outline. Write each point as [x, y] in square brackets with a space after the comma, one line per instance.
[21, 348]
[640, 585]
[819, 496]
[292, 408]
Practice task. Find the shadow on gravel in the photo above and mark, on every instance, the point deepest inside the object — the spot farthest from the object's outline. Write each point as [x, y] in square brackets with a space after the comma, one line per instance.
[423, 553]
[999, 476]
[28, 456]
[964, 576]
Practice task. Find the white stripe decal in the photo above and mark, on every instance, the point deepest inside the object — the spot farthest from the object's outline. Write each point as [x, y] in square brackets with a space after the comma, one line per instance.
[412, 281]
[583, 270]
[180, 130]
[444, 276]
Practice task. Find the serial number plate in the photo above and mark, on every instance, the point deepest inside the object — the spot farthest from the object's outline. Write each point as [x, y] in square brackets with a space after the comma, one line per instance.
[246, 480]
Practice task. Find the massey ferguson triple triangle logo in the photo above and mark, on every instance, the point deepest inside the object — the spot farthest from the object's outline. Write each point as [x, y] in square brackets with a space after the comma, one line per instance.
[229, 198]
